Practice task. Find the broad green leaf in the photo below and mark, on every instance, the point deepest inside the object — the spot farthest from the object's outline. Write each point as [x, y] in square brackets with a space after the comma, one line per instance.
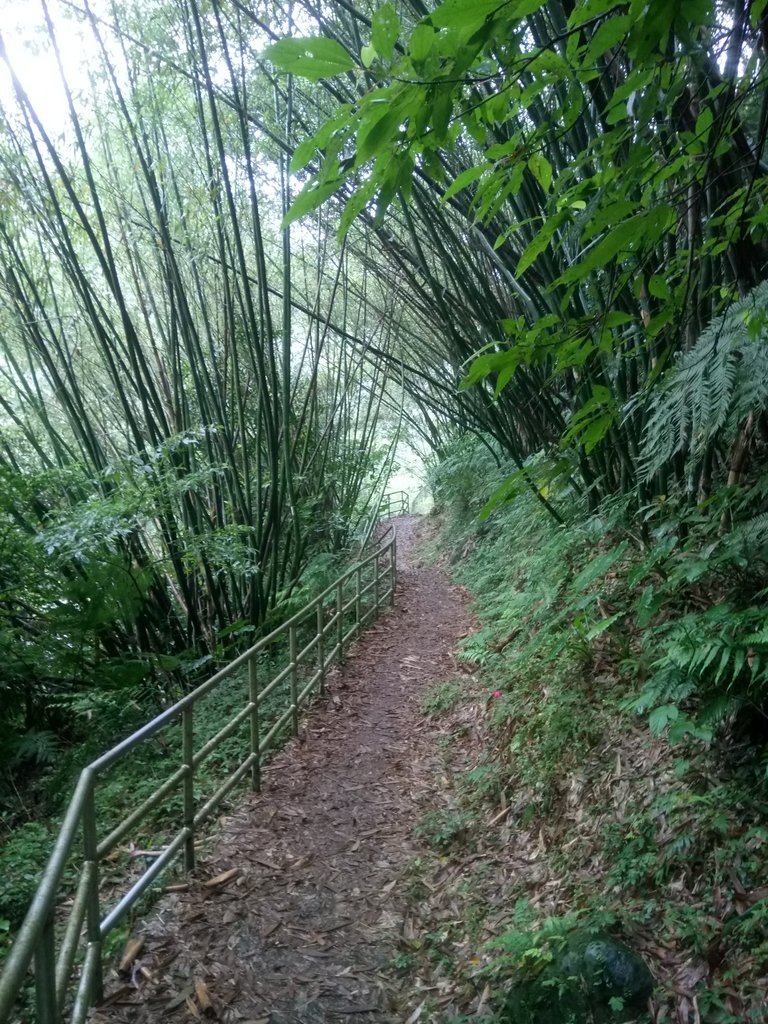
[303, 154]
[603, 624]
[612, 319]
[541, 169]
[606, 216]
[704, 123]
[660, 718]
[589, 9]
[313, 58]
[385, 30]
[376, 131]
[510, 488]
[608, 35]
[354, 206]
[322, 138]
[462, 16]
[632, 235]
[310, 197]
[464, 179]
[659, 288]
[367, 56]
[538, 243]
[596, 431]
[421, 42]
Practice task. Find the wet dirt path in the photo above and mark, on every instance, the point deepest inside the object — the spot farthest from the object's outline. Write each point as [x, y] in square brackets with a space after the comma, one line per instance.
[307, 930]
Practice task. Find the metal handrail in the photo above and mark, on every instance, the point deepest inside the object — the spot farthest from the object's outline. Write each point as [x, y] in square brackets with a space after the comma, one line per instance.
[396, 503]
[355, 597]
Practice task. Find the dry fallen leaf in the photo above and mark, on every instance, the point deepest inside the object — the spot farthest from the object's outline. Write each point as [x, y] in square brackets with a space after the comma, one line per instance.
[416, 1014]
[222, 879]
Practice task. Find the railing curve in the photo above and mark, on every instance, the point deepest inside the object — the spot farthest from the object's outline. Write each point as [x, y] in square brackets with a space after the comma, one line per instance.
[395, 503]
[68, 953]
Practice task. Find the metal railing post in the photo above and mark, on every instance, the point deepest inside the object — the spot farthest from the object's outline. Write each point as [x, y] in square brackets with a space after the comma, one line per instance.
[320, 626]
[292, 677]
[358, 584]
[45, 974]
[393, 570]
[95, 990]
[340, 618]
[253, 697]
[376, 582]
[188, 756]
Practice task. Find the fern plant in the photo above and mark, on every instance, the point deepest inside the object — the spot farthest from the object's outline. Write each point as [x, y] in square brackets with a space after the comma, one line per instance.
[712, 388]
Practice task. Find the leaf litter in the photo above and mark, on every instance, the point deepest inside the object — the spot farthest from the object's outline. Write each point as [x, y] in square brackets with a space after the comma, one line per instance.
[300, 908]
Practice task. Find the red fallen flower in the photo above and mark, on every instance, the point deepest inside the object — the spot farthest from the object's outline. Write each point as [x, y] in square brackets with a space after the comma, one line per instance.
[497, 693]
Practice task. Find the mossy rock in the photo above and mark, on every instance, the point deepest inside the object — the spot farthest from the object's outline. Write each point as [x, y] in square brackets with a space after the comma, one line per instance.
[594, 979]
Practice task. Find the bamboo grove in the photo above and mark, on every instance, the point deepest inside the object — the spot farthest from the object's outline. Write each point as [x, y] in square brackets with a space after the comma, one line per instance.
[572, 191]
[271, 238]
[193, 410]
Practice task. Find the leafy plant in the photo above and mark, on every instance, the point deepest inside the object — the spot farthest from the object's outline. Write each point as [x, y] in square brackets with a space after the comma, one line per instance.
[443, 828]
[442, 697]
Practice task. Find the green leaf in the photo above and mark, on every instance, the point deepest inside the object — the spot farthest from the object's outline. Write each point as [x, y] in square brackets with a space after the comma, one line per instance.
[375, 132]
[385, 31]
[610, 32]
[464, 179]
[463, 16]
[603, 624]
[303, 154]
[538, 244]
[589, 9]
[541, 169]
[659, 718]
[659, 288]
[703, 124]
[596, 431]
[314, 57]
[598, 567]
[421, 42]
[355, 206]
[310, 197]
[634, 234]
[367, 56]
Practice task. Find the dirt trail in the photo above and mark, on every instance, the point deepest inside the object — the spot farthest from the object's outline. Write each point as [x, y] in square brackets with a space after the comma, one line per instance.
[307, 931]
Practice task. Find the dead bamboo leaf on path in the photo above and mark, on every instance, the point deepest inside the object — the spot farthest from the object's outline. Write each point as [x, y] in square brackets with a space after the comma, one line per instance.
[222, 879]
[415, 1015]
[131, 951]
[191, 1008]
[203, 997]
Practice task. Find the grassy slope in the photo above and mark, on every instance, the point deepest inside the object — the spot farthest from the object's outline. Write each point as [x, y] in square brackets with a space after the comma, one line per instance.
[564, 807]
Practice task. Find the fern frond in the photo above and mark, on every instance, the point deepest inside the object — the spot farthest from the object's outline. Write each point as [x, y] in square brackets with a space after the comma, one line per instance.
[712, 387]
[752, 535]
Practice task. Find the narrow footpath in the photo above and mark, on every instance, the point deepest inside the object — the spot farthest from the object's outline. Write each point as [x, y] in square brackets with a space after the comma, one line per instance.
[306, 931]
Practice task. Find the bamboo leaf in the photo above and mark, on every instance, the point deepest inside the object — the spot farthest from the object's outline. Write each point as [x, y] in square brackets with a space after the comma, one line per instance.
[314, 58]
[385, 30]
[541, 169]
[310, 197]
[538, 244]
[463, 180]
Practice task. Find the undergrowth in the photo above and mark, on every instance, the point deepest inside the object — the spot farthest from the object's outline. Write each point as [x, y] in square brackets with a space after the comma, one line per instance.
[25, 848]
[624, 663]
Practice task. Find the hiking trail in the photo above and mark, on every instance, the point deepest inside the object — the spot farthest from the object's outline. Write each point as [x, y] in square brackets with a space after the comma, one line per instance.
[306, 931]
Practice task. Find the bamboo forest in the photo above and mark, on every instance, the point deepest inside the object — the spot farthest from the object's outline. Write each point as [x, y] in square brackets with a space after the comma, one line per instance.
[384, 511]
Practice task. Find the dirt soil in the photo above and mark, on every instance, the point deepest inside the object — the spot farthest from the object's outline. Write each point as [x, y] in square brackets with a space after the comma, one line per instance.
[306, 929]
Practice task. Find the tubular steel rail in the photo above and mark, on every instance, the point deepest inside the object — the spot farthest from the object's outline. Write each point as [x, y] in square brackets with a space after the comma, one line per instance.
[68, 982]
[396, 503]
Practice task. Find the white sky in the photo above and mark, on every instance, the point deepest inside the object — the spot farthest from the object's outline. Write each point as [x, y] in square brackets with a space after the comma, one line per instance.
[22, 25]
